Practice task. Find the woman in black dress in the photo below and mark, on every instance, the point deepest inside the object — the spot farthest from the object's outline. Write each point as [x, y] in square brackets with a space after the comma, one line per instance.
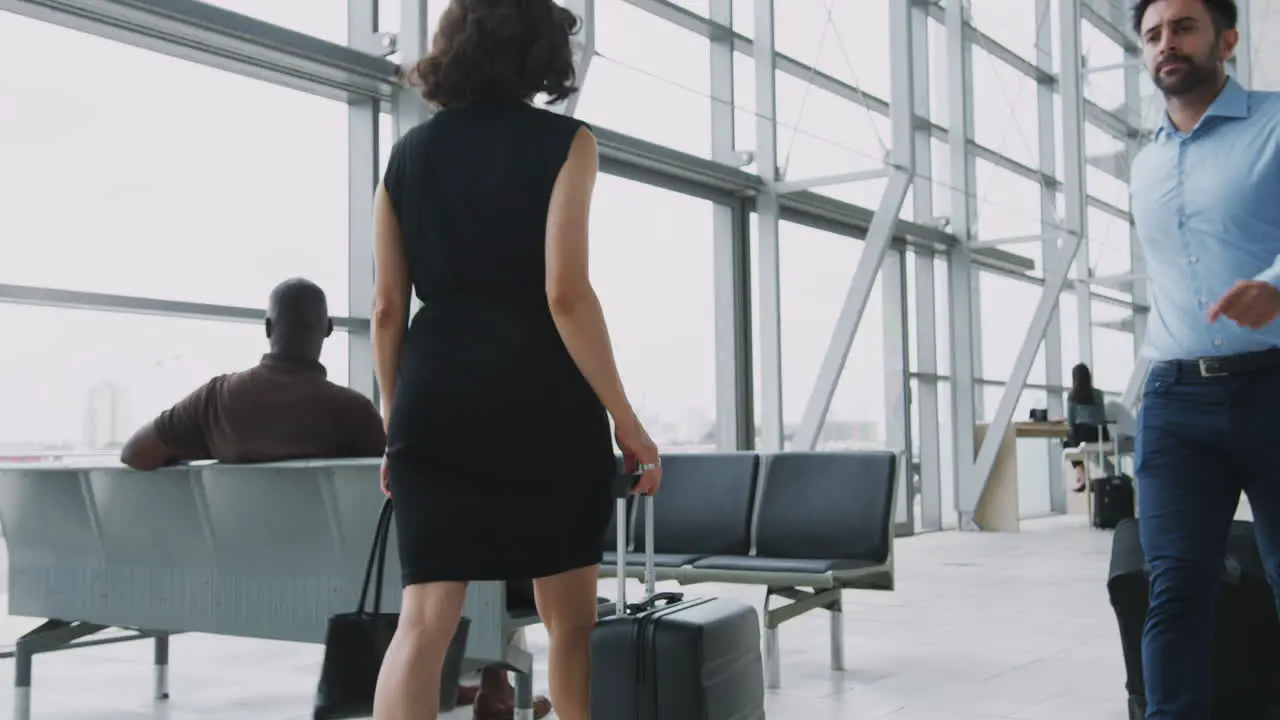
[500, 392]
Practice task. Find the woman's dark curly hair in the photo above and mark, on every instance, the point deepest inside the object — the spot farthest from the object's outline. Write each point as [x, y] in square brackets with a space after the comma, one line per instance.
[488, 51]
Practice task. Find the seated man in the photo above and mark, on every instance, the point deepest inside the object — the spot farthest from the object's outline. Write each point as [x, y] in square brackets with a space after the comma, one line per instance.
[282, 409]
[285, 409]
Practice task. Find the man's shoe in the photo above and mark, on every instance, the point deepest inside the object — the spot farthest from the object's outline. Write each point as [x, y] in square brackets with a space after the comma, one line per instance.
[497, 710]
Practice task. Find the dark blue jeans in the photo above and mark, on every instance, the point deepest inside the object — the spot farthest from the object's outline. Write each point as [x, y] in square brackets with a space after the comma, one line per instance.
[1201, 442]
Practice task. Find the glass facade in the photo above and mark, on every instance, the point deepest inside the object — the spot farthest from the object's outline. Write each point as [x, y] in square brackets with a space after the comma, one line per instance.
[158, 182]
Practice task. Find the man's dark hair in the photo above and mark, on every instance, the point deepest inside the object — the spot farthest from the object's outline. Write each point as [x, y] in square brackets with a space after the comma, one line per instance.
[496, 51]
[1224, 14]
[298, 318]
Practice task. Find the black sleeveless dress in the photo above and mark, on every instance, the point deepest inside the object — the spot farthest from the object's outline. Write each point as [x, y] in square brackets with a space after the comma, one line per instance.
[500, 454]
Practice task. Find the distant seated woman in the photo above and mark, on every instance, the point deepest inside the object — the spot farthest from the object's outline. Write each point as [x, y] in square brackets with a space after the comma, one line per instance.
[1086, 414]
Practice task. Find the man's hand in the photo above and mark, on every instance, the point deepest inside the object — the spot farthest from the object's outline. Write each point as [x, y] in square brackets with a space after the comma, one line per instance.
[1250, 303]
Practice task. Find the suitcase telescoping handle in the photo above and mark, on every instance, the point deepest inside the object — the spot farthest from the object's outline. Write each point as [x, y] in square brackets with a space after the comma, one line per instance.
[650, 581]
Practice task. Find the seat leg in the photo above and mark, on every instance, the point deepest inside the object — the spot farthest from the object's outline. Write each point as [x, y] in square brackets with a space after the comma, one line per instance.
[22, 656]
[524, 696]
[837, 635]
[162, 666]
[772, 661]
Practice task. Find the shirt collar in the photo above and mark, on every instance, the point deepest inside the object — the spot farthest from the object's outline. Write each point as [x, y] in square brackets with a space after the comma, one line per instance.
[292, 364]
[1232, 102]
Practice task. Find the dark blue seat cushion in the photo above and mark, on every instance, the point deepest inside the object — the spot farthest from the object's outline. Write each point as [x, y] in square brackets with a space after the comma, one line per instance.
[705, 505]
[827, 506]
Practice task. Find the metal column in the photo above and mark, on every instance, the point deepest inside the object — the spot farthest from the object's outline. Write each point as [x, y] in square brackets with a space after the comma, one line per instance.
[960, 265]
[1071, 85]
[362, 153]
[924, 401]
[1052, 233]
[735, 418]
[769, 291]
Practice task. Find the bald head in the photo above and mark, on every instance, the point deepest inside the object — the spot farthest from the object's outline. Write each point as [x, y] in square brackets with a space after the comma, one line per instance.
[298, 319]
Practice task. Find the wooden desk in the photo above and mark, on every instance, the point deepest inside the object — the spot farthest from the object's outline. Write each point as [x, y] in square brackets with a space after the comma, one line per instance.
[997, 509]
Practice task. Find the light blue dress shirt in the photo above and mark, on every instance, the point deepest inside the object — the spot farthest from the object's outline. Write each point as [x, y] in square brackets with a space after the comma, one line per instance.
[1206, 205]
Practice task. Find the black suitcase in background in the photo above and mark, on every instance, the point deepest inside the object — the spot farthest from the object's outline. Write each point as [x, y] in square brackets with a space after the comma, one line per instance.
[1246, 663]
[1113, 500]
[672, 658]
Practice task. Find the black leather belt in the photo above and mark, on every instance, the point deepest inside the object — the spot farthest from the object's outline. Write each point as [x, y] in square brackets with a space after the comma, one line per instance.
[1225, 365]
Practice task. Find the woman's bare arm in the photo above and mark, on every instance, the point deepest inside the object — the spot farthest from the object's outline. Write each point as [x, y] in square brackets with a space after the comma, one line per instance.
[573, 302]
[390, 298]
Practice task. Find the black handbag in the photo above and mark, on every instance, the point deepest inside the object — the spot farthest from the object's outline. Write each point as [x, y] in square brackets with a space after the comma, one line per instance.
[356, 642]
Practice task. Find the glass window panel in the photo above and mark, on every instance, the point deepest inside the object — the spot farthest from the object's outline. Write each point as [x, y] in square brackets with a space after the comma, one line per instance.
[662, 97]
[1007, 306]
[119, 187]
[938, 95]
[1012, 23]
[1005, 111]
[81, 381]
[816, 267]
[821, 134]
[1109, 244]
[653, 270]
[858, 416]
[1008, 206]
[1068, 320]
[1113, 347]
[1106, 88]
[940, 172]
[326, 19]
[846, 40]
[1106, 187]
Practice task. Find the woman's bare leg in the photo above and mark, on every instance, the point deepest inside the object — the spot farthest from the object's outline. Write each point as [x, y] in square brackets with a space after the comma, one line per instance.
[567, 604]
[409, 682]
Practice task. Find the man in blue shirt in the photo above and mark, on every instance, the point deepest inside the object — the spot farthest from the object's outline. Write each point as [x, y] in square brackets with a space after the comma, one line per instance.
[1206, 203]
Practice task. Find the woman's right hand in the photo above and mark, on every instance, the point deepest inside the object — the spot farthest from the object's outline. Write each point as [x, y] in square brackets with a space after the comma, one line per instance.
[639, 451]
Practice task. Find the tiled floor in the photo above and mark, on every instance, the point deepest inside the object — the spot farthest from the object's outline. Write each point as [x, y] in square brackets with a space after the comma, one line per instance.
[982, 626]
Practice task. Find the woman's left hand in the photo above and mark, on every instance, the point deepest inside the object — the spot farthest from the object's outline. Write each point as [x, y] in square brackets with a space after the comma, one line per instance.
[386, 490]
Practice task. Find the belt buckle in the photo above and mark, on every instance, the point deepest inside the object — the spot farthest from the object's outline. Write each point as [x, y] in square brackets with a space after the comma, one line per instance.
[1205, 368]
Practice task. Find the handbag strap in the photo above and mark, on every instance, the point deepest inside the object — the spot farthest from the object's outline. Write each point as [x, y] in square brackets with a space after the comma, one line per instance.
[378, 556]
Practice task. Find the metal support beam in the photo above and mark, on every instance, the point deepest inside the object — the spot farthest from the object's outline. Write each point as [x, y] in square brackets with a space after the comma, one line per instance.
[769, 291]
[874, 249]
[924, 401]
[897, 387]
[1016, 239]
[735, 418]
[1048, 225]
[78, 300]
[209, 35]
[1075, 220]
[362, 177]
[893, 286]
[789, 186]
[1055, 279]
[961, 283]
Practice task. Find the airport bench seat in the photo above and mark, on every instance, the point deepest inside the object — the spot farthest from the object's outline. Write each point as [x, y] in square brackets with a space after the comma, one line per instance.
[265, 551]
[805, 525]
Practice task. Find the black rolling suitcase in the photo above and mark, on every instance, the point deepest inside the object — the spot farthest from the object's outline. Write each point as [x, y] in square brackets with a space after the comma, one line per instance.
[1246, 662]
[669, 657]
[1111, 497]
